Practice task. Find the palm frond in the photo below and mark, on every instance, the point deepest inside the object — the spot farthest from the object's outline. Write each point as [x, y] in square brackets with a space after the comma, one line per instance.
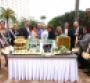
[7, 13]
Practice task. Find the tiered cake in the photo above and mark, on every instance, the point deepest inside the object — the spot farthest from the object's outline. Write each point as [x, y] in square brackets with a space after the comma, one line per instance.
[20, 43]
[63, 41]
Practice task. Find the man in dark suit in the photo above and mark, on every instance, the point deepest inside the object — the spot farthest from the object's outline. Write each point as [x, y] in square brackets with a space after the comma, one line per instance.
[74, 34]
[25, 31]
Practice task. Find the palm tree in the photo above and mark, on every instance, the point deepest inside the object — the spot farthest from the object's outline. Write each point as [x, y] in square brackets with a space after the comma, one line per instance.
[7, 14]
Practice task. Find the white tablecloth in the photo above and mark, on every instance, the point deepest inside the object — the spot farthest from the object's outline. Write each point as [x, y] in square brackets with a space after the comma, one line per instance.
[63, 69]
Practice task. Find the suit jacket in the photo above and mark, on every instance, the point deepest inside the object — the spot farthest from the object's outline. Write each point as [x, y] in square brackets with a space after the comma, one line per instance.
[23, 32]
[51, 35]
[72, 37]
[71, 33]
[83, 44]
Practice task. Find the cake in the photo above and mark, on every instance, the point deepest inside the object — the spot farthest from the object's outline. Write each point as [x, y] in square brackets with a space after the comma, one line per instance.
[63, 41]
[20, 43]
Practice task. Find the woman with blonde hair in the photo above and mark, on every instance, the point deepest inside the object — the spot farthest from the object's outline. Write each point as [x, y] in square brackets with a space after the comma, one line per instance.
[58, 31]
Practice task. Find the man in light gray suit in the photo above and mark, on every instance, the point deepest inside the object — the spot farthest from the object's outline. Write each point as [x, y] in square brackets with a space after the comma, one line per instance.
[85, 40]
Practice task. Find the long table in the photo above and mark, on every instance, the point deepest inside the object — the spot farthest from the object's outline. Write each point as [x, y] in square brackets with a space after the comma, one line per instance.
[37, 67]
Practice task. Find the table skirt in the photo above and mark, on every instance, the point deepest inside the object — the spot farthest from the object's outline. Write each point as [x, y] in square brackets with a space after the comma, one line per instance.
[42, 69]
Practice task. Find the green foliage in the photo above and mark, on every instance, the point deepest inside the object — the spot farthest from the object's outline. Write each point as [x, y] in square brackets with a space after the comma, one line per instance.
[32, 22]
[61, 49]
[7, 14]
[21, 24]
[70, 17]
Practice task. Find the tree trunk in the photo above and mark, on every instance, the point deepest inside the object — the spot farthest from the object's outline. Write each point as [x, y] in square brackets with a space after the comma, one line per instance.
[7, 20]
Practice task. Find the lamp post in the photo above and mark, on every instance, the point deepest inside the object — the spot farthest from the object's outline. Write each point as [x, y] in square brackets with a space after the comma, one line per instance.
[77, 10]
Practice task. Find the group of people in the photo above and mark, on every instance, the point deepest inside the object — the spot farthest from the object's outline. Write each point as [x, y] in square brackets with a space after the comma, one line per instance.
[76, 34]
[7, 36]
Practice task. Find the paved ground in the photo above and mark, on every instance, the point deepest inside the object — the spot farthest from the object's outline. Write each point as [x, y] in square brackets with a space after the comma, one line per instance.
[84, 78]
